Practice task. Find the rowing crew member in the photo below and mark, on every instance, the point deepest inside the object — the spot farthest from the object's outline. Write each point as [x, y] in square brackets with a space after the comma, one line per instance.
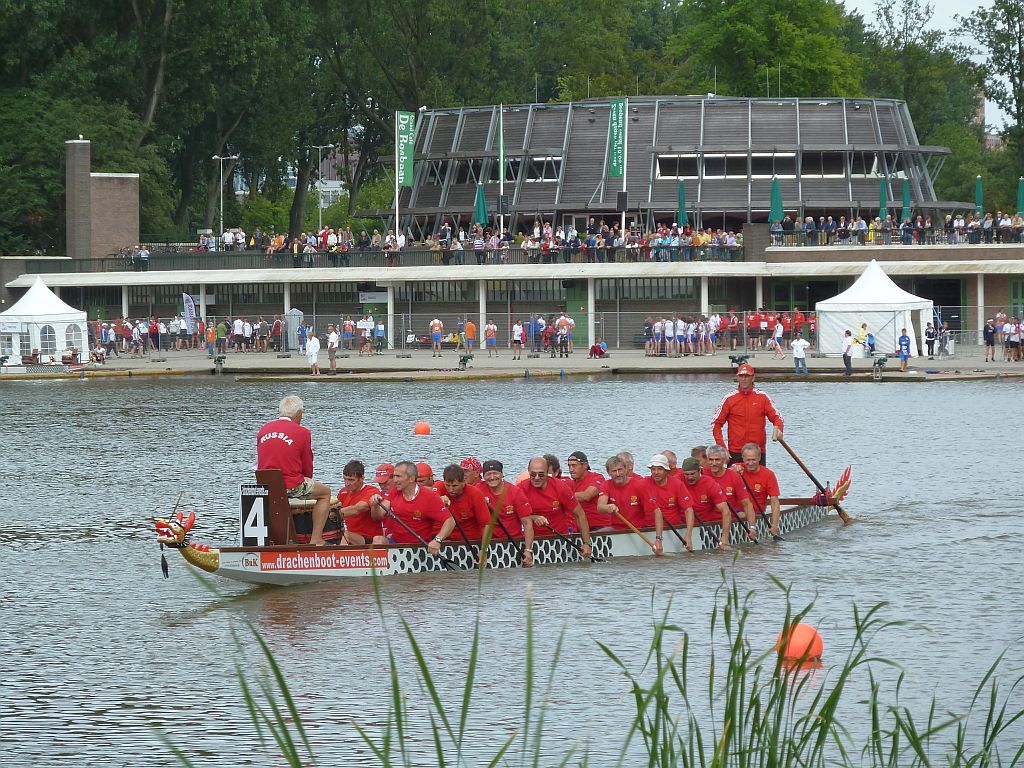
[354, 501]
[736, 495]
[626, 497]
[586, 485]
[744, 413]
[286, 445]
[514, 513]
[762, 484]
[673, 501]
[421, 509]
[709, 504]
[553, 502]
[466, 504]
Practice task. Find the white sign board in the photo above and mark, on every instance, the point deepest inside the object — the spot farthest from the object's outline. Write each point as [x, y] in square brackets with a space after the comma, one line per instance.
[373, 297]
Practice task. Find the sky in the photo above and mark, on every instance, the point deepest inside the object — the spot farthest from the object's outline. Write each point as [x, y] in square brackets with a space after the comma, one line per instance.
[943, 18]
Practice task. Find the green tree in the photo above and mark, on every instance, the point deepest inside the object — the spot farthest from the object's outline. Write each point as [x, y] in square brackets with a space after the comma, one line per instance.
[999, 32]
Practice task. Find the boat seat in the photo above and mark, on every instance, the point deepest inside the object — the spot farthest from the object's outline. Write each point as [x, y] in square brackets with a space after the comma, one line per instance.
[290, 521]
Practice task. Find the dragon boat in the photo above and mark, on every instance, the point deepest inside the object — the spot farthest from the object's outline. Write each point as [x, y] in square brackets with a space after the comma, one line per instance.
[267, 517]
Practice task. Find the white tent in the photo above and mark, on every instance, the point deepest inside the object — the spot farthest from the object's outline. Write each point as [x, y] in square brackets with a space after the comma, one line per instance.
[876, 300]
[39, 320]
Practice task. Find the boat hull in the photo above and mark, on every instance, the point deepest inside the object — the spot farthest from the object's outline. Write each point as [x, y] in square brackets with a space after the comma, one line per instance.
[285, 565]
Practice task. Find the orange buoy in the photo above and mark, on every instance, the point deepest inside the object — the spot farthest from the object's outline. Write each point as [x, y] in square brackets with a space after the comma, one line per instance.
[800, 641]
[421, 428]
[522, 476]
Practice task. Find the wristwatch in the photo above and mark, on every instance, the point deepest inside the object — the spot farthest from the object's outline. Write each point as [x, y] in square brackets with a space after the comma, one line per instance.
[438, 539]
[657, 538]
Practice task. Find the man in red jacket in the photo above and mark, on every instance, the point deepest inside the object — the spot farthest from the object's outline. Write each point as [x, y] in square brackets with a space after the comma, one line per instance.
[744, 413]
[286, 445]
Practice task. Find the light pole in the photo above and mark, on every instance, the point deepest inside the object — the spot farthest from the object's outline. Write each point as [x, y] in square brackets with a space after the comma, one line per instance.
[320, 186]
[221, 160]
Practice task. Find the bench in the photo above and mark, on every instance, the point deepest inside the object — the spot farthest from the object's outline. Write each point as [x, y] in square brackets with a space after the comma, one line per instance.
[290, 521]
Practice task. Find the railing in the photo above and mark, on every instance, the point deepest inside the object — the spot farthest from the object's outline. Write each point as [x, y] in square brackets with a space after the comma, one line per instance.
[899, 237]
[161, 261]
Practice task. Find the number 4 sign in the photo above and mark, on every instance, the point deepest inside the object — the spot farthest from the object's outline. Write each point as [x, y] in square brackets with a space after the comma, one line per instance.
[253, 516]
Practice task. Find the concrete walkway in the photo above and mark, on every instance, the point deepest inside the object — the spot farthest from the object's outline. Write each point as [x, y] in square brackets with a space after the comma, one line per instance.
[420, 365]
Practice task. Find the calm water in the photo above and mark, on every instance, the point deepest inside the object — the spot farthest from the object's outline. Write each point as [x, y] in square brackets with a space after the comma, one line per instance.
[98, 650]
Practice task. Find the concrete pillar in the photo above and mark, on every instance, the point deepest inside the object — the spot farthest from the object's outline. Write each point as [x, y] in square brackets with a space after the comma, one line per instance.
[705, 304]
[758, 292]
[202, 303]
[78, 198]
[391, 316]
[591, 305]
[981, 307]
[287, 298]
[124, 301]
[482, 295]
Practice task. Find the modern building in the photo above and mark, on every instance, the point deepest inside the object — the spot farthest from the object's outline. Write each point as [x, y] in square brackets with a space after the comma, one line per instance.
[830, 156]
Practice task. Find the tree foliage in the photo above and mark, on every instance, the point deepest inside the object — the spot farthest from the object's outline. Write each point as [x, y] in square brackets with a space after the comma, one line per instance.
[161, 86]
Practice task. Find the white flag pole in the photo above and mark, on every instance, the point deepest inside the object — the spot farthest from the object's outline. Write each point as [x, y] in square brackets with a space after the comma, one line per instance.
[625, 145]
[397, 188]
[501, 168]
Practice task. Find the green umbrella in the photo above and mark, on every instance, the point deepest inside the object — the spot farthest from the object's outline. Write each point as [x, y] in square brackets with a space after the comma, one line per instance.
[1020, 195]
[681, 216]
[906, 213]
[777, 213]
[979, 205]
[480, 209]
[883, 199]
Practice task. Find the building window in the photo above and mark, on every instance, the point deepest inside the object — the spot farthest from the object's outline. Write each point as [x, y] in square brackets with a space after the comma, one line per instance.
[511, 170]
[678, 167]
[765, 165]
[47, 341]
[6, 344]
[468, 171]
[72, 336]
[25, 344]
[437, 172]
[823, 165]
[864, 165]
[544, 169]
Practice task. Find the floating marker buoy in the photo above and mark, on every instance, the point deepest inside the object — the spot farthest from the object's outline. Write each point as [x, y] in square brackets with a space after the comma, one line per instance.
[800, 641]
[521, 477]
[421, 428]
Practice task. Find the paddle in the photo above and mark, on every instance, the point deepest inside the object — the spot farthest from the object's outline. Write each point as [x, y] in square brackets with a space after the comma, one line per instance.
[497, 518]
[446, 562]
[842, 512]
[574, 545]
[163, 560]
[675, 531]
[759, 508]
[634, 529]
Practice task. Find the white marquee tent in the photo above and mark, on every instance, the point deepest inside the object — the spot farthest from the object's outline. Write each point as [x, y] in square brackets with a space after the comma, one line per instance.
[39, 320]
[876, 300]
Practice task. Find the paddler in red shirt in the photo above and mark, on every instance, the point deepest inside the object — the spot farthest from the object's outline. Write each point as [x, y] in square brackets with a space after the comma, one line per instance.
[626, 496]
[514, 511]
[554, 504]
[425, 516]
[744, 412]
[761, 483]
[354, 502]
[669, 493]
[286, 445]
[736, 495]
[466, 503]
[709, 505]
[586, 485]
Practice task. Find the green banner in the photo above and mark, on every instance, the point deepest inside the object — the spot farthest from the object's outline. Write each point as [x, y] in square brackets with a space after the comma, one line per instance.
[617, 139]
[405, 128]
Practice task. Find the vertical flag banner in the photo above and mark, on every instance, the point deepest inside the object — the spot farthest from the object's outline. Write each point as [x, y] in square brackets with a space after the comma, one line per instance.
[617, 139]
[501, 147]
[405, 127]
[190, 312]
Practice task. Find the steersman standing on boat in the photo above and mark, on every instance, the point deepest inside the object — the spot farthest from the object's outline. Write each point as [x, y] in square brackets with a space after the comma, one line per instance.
[286, 445]
[744, 413]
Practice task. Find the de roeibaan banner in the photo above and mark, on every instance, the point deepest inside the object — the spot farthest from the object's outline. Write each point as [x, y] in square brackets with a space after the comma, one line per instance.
[190, 312]
[405, 123]
[617, 139]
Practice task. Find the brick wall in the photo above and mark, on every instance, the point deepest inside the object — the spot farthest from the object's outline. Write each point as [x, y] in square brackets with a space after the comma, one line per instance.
[115, 212]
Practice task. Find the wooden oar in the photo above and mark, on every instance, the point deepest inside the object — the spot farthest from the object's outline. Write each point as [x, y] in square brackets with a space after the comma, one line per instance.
[451, 565]
[676, 532]
[497, 518]
[633, 528]
[842, 512]
[759, 508]
[573, 544]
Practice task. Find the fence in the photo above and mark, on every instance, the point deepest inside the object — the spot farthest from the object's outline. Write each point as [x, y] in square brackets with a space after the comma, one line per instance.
[896, 236]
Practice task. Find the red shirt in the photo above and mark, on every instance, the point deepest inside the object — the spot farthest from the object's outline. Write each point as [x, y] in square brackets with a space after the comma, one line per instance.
[753, 320]
[555, 501]
[745, 414]
[361, 523]
[470, 510]
[798, 321]
[762, 485]
[425, 513]
[511, 506]
[705, 495]
[732, 486]
[634, 501]
[671, 498]
[283, 444]
[592, 480]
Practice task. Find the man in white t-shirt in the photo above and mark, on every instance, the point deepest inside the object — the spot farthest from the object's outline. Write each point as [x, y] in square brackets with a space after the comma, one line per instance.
[799, 346]
[332, 347]
[228, 238]
[848, 352]
[518, 337]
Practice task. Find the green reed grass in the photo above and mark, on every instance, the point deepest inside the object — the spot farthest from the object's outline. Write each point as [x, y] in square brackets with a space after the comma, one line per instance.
[750, 711]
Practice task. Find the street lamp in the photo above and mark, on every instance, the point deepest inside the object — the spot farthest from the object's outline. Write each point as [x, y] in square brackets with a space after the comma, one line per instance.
[320, 186]
[221, 160]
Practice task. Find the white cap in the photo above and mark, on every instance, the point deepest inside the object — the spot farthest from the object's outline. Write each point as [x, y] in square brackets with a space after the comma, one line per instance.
[659, 460]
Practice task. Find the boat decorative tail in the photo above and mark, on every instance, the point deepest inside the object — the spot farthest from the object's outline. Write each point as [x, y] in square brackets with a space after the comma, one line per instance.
[175, 533]
[833, 496]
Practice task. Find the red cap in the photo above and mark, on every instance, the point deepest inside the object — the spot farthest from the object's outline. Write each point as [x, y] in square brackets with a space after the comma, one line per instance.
[423, 470]
[385, 470]
[745, 370]
[471, 462]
